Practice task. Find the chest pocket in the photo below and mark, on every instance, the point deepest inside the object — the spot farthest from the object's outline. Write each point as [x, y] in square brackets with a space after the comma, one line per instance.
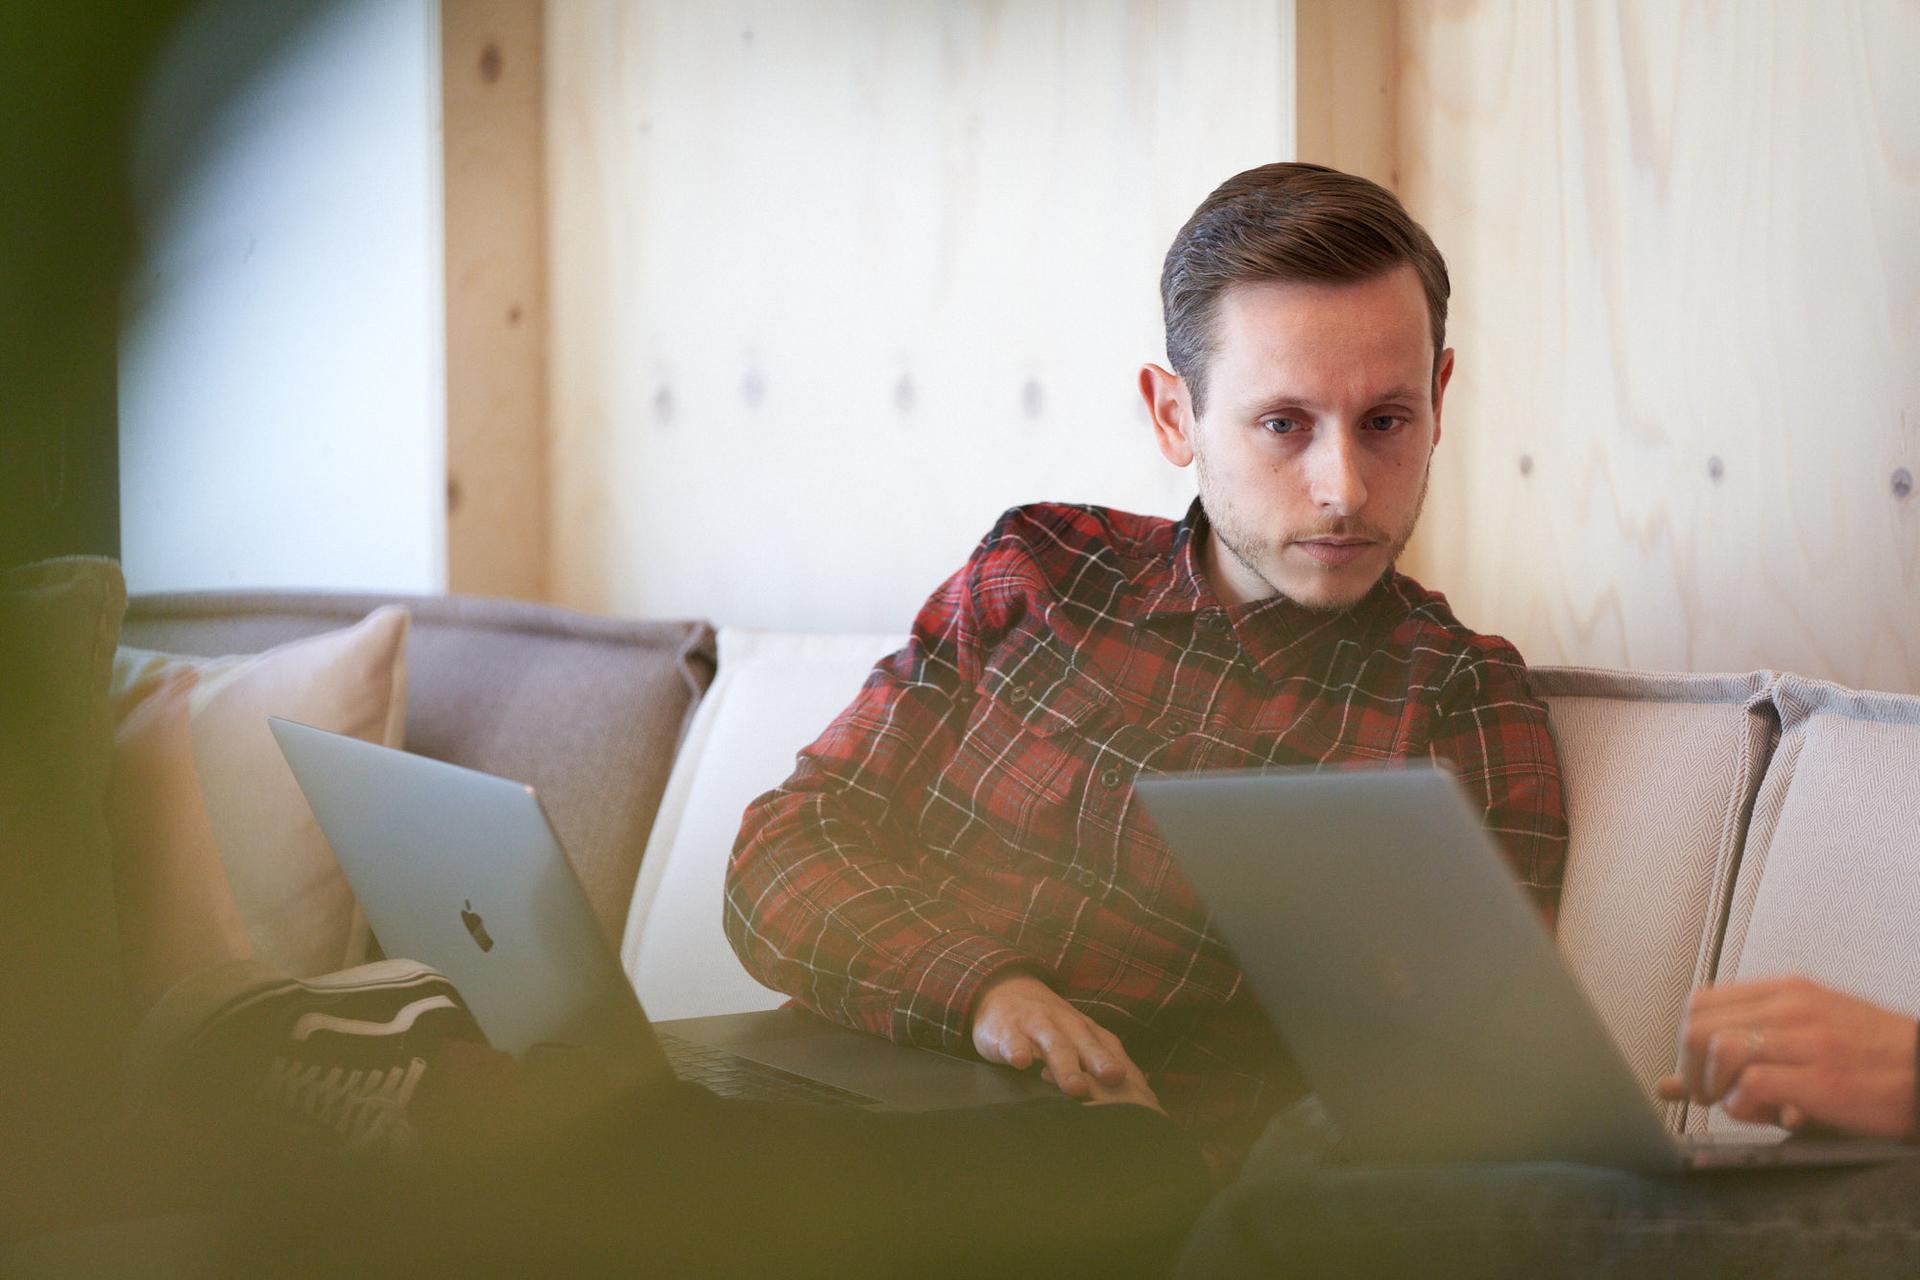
[1036, 685]
[1011, 793]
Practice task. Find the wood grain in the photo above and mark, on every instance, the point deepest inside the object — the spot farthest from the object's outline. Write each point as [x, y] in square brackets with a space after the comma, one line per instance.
[834, 284]
[495, 212]
[1687, 306]
[1346, 79]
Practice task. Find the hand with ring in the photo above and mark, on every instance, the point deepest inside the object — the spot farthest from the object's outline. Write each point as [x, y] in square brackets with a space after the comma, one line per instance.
[1788, 1051]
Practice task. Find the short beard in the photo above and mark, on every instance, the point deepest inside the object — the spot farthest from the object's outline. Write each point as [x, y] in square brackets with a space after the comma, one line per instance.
[1398, 541]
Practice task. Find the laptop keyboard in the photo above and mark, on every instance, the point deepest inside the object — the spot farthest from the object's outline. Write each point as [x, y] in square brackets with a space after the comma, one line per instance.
[732, 1076]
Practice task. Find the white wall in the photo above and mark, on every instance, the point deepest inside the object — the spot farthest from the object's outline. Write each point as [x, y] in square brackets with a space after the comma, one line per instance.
[282, 369]
[834, 284]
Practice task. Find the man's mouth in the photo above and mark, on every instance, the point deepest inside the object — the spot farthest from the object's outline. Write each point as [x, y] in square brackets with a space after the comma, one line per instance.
[1334, 552]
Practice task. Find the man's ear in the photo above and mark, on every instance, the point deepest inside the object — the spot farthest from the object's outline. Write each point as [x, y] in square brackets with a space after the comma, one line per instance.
[1172, 413]
[1442, 375]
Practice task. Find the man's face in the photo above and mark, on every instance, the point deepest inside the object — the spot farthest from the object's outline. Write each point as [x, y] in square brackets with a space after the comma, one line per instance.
[1322, 412]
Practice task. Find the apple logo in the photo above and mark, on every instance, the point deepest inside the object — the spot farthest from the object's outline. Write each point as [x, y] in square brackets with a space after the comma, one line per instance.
[476, 926]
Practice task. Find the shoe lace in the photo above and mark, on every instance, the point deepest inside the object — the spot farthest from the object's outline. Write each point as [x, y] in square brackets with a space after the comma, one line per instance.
[366, 1107]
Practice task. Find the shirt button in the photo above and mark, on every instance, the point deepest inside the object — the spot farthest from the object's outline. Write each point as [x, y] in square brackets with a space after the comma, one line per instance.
[1088, 879]
[1111, 779]
[1213, 620]
[1178, 728]
[1018, 693]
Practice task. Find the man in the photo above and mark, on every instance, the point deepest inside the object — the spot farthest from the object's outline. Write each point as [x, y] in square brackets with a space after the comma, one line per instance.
[959, 860]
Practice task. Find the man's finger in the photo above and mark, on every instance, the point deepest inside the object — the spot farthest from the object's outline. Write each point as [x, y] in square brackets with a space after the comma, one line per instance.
[1016, 1051]
[1063, 1059]
[1133, 1089]
[1699, 1039]
[1733, 994]
[1107, 1067]
[1761, 1093]
[1728, 1054]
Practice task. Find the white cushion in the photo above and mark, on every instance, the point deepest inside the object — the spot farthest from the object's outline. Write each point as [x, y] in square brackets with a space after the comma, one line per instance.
[1829, 883]
[773, 693]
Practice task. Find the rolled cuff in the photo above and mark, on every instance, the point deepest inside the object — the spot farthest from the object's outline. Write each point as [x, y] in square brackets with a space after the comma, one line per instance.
[941, 982]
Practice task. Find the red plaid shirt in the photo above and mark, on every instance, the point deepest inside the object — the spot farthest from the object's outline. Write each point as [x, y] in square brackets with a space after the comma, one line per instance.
[972, 811]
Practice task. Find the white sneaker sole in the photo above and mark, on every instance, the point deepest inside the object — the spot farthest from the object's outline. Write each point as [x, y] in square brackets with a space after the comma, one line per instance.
[199, 1000]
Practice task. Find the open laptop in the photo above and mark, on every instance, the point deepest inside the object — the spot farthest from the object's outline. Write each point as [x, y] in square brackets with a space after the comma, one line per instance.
[461, 870]
[1415, 985]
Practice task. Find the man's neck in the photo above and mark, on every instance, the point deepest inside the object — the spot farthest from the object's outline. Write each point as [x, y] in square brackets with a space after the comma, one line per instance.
[1233, 582]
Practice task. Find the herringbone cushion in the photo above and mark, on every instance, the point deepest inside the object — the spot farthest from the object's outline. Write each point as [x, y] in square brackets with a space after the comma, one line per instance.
[1660, 771]
[1829, 885]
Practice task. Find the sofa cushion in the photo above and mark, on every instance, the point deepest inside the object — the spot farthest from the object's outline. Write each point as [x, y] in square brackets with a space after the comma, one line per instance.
[586, 710]
[774, 694]
[199, 763]
[1829, 885]
[1659, 772]
[62, 1010]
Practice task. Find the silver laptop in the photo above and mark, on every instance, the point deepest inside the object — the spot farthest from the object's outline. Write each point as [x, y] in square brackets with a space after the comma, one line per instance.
[1413, 982]
[461, 870]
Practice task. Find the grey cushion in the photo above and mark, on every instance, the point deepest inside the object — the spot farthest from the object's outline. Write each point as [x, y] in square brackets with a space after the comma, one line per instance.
[586, 710]
[1659, 771]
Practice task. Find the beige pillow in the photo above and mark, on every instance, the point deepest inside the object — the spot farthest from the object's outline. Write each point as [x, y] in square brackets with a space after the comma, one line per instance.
[209, 822]
[1659, 771]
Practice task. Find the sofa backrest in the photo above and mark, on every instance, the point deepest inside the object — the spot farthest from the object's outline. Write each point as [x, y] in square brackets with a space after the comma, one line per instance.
[1660, 772]
[775, 693]
[589, 711]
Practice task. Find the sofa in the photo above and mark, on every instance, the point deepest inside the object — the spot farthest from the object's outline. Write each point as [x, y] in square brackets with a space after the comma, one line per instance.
[1723, 826]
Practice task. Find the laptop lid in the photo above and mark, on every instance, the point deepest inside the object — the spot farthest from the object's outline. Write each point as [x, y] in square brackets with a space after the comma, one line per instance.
[461, 870]
[1413, 982]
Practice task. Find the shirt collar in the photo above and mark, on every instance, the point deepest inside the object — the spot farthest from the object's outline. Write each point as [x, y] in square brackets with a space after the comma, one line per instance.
[1177, 587]
[1276, 633]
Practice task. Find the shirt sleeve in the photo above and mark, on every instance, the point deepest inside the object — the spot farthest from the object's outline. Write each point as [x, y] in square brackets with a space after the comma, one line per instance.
[824, 899]
[1495, 736]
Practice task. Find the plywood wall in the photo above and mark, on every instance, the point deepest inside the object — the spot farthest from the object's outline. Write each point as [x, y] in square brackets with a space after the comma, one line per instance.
[833, 284]
[492, 94]
[1685, 242]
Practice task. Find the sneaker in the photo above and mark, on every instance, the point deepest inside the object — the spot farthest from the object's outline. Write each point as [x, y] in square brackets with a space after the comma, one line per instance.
[331, 1062]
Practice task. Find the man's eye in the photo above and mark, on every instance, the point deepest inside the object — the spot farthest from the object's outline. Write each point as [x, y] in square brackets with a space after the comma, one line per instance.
[1384, 422]
[1281, 426]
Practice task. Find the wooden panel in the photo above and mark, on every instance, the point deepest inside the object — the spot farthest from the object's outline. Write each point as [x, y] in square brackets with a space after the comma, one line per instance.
[836, 283]
[495, 203]
[1687, 301]
[1347, 66]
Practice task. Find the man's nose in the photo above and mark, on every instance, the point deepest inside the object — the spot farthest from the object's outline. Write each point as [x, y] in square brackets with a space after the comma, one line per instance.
[1336, 485]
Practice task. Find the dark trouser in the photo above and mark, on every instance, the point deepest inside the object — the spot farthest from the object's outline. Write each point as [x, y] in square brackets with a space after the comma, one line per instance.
[1288, 1215]
[688, 1184]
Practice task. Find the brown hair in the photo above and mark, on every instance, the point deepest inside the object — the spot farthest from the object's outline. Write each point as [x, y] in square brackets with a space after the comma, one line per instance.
[1288, 222]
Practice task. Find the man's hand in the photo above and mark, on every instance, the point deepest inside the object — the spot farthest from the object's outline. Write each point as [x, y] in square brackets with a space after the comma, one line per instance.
[1788, 1050]
[1020, 1020]
[1133, 1090]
